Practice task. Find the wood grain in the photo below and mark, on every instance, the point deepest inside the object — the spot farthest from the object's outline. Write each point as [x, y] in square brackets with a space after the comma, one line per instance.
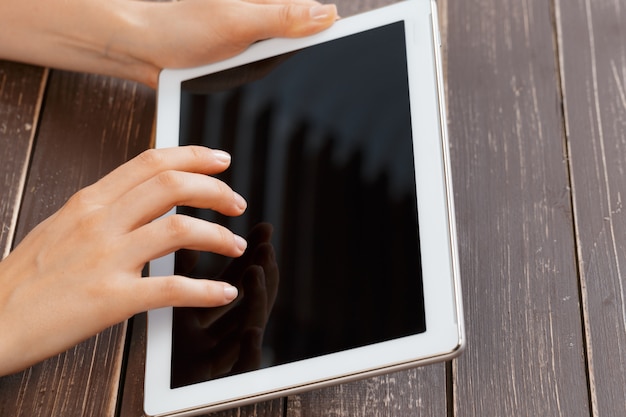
[537, 114]
[89, 126]
[525, 354]
[592, 38]
[413, 393]
[21, 92]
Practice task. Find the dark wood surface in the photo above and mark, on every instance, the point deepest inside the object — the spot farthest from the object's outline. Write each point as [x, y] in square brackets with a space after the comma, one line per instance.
[526, 352]
[21, 92]
[592, 59]
[537, 123]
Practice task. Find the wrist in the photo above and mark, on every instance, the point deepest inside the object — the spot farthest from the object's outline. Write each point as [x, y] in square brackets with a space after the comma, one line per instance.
[106, 39]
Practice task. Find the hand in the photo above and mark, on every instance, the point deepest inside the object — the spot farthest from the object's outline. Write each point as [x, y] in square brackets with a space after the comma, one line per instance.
[79, 271]
[136, 39]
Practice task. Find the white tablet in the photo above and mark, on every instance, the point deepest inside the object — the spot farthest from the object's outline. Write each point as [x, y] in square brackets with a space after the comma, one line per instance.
[338, 144]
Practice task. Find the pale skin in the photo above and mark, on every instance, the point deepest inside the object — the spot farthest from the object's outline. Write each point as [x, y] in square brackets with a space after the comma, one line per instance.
[79, 271]
[135, 39]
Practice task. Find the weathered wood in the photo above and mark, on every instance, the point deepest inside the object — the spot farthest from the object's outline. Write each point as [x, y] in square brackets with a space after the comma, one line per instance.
[413, 393]
[592, 39]
[525, 354]
[526, 350]
[21, 92]
[89, 126]
[131, 400]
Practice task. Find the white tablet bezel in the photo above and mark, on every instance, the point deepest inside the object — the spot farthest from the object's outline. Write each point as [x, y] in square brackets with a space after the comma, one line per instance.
[444, 336]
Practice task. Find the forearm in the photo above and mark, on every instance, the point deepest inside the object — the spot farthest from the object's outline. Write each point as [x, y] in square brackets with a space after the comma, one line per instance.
[135, 39]
[81, 35]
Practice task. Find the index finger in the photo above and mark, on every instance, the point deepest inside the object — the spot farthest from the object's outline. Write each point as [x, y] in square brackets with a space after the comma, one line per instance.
[196, 159]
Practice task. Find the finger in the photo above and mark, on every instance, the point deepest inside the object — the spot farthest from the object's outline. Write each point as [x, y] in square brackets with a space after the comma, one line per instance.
[287, 20]
[240, 315]
[177, 291]
[159, 194]
[174, 232]
[196, 159]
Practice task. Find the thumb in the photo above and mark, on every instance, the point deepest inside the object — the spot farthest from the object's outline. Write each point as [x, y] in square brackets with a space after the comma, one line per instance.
[178, 291]
[291, 20]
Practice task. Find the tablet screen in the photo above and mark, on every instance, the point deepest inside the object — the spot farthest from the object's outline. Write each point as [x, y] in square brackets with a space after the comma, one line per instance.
[322, 150]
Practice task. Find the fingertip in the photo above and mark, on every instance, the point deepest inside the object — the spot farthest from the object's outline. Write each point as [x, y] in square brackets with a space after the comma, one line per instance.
[297, 20]
[218, 293]
[230, 292]
[221, 156]
[321, 17]
[241, 244]
[240, 202]
[179, 291]
[323, 12]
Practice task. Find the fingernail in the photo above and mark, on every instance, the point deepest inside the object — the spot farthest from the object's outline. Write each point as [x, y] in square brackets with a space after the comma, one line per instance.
[241, 243]
[230, 292]
[221, 155]
[240, 202]
[322, 11]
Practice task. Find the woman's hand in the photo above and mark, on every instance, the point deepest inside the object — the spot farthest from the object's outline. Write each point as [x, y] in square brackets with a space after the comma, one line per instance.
[79, 271]
[135, 39]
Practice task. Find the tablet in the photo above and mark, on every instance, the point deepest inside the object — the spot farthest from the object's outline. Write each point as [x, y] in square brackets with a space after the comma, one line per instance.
[338, 143]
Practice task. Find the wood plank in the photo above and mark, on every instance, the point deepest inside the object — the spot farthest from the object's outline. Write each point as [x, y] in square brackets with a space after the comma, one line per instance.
[413, 393]
[130, 402]
[525, 352]
[89, 126]
[21, 92]
[593, 69]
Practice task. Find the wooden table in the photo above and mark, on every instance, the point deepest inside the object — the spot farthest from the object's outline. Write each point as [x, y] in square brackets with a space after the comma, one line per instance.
[537, 121]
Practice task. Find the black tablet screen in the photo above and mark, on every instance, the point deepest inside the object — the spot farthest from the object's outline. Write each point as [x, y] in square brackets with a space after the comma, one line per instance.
[322, 150]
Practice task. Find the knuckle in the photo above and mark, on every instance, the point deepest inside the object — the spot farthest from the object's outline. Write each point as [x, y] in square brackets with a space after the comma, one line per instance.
[82, 200]
[178, 225]
[223, 190]
[198, 153]
[86, 216]
[286, 15]
[225, 240]
[172, 180]
[170, 290]
[165, 291]
[225, 236]
[151, 158]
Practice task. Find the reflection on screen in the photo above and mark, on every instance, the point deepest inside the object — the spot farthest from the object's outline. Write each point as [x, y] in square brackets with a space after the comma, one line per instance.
[322, 151]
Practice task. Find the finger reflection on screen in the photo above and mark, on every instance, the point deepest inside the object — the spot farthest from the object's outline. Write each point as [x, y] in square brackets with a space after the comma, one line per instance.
[212, 342]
